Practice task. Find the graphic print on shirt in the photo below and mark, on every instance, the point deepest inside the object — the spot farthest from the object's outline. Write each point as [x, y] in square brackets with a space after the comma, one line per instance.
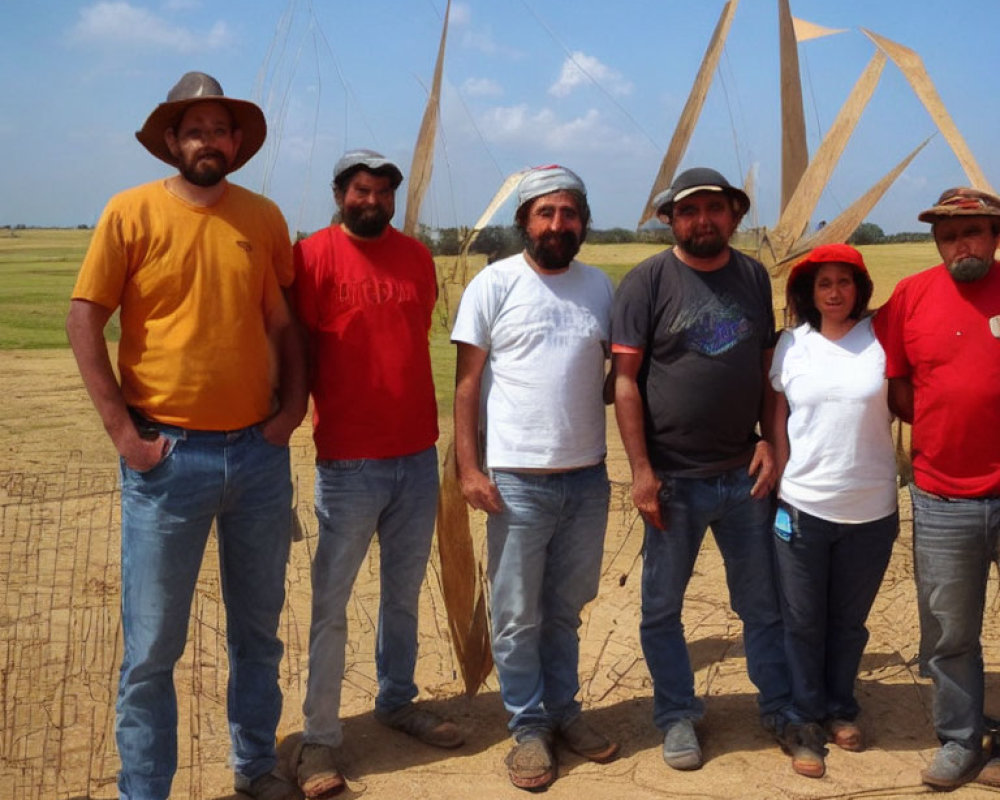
[713, 325]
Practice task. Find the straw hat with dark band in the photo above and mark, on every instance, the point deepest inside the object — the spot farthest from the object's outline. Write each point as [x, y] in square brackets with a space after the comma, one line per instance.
[197, 87]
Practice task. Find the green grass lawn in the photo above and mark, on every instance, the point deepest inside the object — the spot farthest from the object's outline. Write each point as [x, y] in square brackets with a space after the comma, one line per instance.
[38, 268]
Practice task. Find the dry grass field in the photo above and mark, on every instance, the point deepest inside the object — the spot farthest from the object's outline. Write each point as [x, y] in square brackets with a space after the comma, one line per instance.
[59, 624]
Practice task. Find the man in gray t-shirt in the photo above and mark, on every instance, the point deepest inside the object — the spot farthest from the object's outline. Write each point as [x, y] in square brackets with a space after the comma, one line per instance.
[692, 332]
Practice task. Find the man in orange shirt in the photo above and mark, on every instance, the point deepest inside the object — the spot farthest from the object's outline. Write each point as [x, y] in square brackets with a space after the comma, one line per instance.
[196, 266]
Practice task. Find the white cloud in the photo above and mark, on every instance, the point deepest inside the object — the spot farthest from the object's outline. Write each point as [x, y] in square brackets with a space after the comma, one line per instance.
[481, 87]
[542, 129]
[580, 69]
[459, 15]
[121, 24]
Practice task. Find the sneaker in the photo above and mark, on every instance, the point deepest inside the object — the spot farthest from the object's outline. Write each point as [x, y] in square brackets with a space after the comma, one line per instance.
[846, 734]
[952, 766]
[680, 746]
[317, 773]
[530, 763]
[583, 740]
[269, 786]
[422, 724]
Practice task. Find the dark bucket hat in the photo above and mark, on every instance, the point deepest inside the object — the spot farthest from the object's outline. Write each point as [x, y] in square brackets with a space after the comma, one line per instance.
[197, 87]
[699, 179]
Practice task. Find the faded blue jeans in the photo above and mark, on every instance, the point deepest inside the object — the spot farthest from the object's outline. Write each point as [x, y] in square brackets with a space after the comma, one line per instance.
[741, 526]
[544, 563]
[242, 483]
[830, 574]
[397, 497]
[954, 542]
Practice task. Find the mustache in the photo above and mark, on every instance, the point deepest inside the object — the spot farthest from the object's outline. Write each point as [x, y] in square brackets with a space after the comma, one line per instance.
[209, 152]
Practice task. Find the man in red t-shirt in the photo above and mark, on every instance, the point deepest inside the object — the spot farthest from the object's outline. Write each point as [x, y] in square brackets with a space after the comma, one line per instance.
[941, 334]
[366, 293]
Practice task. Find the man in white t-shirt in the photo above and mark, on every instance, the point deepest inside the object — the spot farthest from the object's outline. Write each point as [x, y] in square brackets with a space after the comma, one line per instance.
[532, 336]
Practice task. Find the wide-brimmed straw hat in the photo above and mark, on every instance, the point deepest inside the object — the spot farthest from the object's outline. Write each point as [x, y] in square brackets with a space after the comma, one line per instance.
[961, 201]
[699, 179]
[197, 87]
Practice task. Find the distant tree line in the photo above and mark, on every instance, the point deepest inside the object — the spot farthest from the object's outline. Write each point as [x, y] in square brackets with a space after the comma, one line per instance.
[500, 241]
[870, 233]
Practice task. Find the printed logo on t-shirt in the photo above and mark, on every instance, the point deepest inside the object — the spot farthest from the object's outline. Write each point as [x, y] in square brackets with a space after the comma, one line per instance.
[374, 291]
[714, 326]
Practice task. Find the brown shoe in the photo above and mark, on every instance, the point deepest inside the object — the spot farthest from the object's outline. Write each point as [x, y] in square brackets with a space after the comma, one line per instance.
[583, 740]
[423, 724]
[530, 763]
[807, 762]
[269, 786]
[317, 773]
[989, 775]
[806, 743]
[846, 734]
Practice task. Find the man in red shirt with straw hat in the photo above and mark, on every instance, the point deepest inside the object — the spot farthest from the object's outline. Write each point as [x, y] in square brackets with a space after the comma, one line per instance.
[941, 333]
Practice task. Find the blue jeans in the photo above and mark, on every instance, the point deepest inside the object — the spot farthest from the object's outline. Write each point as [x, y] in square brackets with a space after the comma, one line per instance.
[544, 562]
[741, 526]
[830, 573]
[242, 483]
[397, 497]
[954, 542]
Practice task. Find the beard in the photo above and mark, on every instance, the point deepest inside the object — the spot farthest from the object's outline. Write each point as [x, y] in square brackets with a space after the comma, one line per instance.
[552, 251]
[205, 168]
[703, 245]
[968, 269]
[365, 222]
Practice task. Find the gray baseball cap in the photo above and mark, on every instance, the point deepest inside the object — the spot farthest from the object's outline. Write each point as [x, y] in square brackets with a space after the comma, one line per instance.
[369, 160]
[545, 180]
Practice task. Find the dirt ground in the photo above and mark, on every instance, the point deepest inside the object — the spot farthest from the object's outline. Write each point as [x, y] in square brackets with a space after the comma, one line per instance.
[60, 638]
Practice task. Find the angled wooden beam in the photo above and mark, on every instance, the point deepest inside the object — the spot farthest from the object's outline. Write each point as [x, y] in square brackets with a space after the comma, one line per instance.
[794, 153]
[423, 154]
[840, 229]
[692, 110]
[795, 216]
[912, 67]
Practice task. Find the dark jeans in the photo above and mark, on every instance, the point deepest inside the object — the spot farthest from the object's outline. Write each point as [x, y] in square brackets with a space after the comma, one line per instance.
[829, 573]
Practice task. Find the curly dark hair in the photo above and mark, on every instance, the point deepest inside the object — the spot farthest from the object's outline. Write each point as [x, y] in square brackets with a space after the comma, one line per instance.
[799, 293]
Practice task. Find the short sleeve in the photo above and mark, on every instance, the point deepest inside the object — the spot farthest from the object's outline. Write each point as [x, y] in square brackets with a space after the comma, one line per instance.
[785, 340]
[631, 310]
[304, 289]
[104, 270]
[473, 322]
[888, 327]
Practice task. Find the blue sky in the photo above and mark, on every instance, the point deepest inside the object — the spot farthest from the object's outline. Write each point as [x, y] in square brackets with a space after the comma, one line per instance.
[79, 77]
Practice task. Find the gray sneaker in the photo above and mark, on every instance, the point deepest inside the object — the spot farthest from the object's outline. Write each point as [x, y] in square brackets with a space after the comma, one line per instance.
[680, 746]
[952, 766]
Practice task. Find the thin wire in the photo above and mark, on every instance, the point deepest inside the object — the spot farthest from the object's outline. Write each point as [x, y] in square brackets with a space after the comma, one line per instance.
[732, 121]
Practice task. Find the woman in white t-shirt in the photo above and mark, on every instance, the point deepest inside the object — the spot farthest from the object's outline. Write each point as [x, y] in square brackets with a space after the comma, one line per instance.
[836, 520]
